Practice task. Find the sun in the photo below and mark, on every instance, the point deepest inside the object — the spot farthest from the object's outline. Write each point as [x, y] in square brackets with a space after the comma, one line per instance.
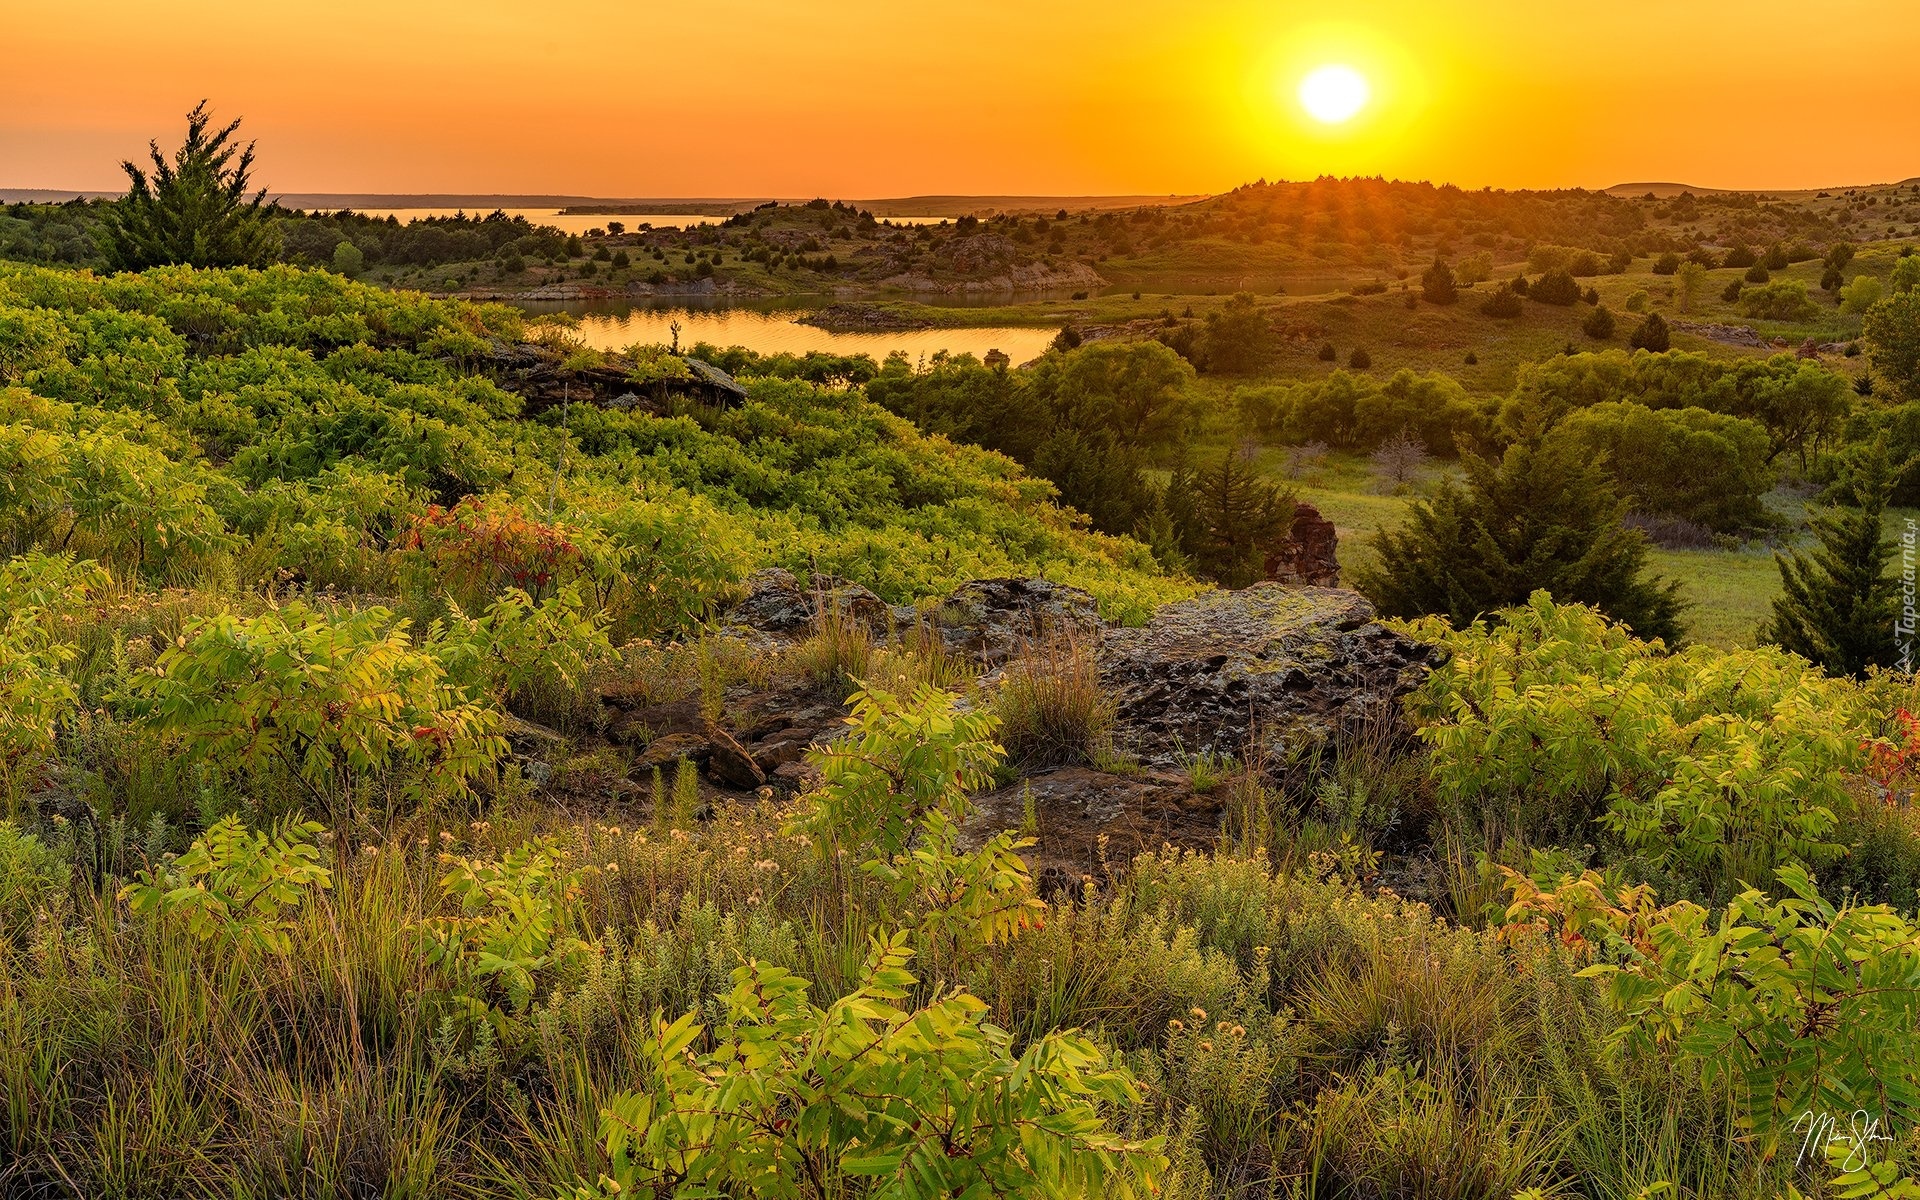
[1334, 93]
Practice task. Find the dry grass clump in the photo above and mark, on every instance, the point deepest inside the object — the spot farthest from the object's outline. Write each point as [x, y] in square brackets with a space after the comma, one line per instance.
[1053, 710]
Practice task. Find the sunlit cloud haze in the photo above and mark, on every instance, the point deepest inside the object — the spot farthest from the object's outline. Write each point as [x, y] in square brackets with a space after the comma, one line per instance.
[864, 98]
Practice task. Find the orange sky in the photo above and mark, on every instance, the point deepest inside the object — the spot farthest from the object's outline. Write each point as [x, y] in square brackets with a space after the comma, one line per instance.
[873, 98]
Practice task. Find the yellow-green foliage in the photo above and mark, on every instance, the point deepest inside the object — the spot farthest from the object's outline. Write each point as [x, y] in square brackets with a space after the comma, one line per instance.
[327, 700]
[157, 420]
[1719, 764]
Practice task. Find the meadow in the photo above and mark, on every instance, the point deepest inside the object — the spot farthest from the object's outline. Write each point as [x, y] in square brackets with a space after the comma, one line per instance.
[355, 644]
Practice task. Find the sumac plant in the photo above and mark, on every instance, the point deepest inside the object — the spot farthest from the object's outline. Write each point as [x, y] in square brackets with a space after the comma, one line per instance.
[1800, 1006]
[479, 548]
[326, 699]
[865, 1096]
[1720, 765]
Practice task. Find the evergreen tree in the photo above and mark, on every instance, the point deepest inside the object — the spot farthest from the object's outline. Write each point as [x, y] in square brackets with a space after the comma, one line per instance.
[194, 210]
[1227, 517]
[1436, 286]
[1652, 335]
[1544, 516]
[1599, 324]
[1838, 604]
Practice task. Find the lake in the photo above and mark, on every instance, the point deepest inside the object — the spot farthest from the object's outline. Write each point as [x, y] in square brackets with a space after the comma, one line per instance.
[581, 223]
[611, 325]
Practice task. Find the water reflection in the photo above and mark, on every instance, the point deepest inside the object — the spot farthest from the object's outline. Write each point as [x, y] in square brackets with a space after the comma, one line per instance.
[613, 326]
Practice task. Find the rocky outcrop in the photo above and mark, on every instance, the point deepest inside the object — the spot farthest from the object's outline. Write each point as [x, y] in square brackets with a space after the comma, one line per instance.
[1269, 671]
[991, 620]
[780, 606]
[1309, 555]
[1089, 823]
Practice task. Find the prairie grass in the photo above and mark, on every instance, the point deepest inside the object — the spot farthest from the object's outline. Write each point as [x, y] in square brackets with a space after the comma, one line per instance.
[1052, 708]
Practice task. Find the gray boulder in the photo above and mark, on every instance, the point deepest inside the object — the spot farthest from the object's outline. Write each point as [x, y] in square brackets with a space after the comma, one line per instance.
[1270, 670]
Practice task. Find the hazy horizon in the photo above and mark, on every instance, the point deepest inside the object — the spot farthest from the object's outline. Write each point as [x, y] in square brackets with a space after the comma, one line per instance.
[749, 98]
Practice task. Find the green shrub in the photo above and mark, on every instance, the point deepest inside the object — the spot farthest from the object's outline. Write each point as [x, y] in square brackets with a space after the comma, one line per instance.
[913, 1103]
[519, 653]
[32, 874]
[329, 701]
[516, 919]
[1811, 1011]
[1719, 765]
[1782, 300]
[236, 885]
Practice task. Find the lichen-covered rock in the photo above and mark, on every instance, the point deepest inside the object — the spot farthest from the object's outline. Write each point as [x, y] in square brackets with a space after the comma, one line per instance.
[779, 606]
[1269, 670]
[990, 620]
[1091, 823]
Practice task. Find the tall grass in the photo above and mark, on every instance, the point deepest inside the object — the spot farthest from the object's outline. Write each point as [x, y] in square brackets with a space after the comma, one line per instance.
[1052, 708]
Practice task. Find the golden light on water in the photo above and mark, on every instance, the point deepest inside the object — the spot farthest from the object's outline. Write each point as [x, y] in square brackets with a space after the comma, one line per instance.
[1334, 93]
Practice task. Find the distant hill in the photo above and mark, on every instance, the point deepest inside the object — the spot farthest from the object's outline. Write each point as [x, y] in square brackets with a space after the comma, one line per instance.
[1667, 191]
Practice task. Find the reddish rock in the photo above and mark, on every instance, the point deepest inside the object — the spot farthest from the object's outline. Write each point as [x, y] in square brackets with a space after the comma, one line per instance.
[1309, 555]
[728, 764]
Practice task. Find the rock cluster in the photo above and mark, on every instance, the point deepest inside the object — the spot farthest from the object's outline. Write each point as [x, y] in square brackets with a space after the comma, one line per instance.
[1309, 555]
[1267, 675]
[1269, 672]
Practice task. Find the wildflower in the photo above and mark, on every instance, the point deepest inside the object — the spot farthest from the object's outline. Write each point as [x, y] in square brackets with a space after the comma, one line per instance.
[766, 864]
[1197, 1013]
[369, 849]
[1206, 1047]
[446, 835]
[1239, 1031]
[613, 868]
[1176, 1024]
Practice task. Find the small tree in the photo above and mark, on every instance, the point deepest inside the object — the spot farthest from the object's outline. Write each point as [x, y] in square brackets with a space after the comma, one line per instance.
[1555, 287]
[1599, 324]
[193, 210]
[1503, 303]
[1692, 282]
[1437, 286]
[1359, 360]
[1227, 517]
[1543, 517]
[1838, 604]
[1892, 333]
[1666, 264]
[1652, 335]
[347, 259]
[1860, 295]
[1399, 459]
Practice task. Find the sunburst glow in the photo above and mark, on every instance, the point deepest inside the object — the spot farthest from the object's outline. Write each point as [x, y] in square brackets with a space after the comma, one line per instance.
[1334, 93]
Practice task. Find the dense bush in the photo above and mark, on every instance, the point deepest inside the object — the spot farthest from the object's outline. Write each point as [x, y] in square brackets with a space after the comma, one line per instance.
[1543, 517]
[1703, 467]
[1716, 766]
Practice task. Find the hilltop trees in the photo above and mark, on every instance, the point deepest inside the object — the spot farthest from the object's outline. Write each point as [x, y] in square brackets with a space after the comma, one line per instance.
[1543, 517]
[193, 210]
[1838, 605]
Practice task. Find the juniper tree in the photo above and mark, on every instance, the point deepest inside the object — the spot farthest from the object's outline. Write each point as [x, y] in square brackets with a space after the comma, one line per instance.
[1227, 517]
[1838, 605]
[1436, 286]
[1544, 516]
[194, 210]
